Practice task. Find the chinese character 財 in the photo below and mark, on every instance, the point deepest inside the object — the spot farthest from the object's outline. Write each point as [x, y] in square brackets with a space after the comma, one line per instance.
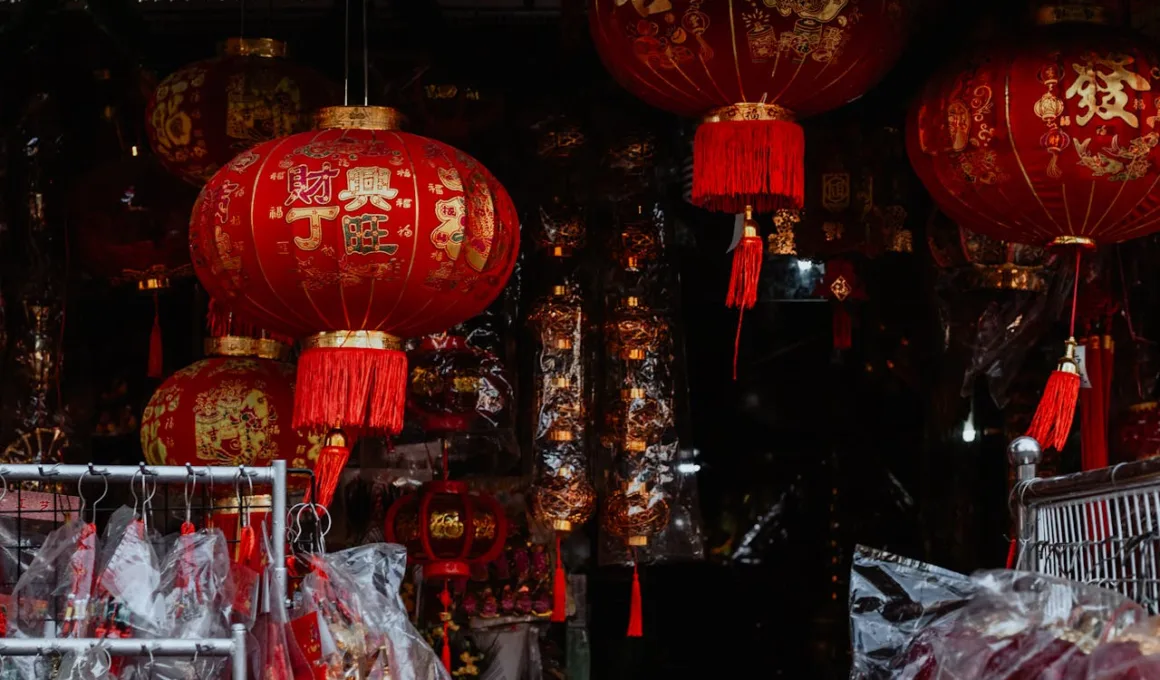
[312, 187]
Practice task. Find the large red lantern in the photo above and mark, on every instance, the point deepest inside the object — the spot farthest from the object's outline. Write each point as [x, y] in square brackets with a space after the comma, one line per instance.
[1048, 140]
[232, 408]
[1051, 139]
[352, 238]
[750, 70]
[203, 115]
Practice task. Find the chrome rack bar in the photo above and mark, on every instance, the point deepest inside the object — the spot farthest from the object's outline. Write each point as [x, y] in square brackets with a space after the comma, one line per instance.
[1122, 477]
[233, 647]
[155, 473]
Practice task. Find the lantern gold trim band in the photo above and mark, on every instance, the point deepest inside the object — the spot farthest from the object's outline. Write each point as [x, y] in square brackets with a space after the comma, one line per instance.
[746, 111]
[353, 340]
[239, 346]
[359, 118]
[637, 541]
[1145, 406]
[1010, 277]
[255, 47]
[561, 525]
[1081, 241]
[151, 283]
[1070, 13]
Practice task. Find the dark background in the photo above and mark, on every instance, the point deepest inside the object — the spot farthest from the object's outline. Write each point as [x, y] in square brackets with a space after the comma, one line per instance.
[804, 456]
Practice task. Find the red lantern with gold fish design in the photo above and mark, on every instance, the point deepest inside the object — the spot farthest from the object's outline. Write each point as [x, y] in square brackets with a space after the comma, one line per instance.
[203, 115]
[351, 238]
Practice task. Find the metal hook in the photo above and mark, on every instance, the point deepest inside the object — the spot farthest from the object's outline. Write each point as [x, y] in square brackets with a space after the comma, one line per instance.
[81, 493]
[149, 666]
[188, 489]
[133, 488]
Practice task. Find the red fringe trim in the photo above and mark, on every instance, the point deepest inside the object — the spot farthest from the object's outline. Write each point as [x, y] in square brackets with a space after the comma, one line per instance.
[559, 589]
[759, 163]
[357, 388]
[747, 258]
[328, 472]
[635, 625]
[843, 327]
[1052, 421]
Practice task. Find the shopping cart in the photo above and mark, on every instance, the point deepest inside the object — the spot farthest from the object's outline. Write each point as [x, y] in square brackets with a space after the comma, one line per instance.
[1100, 527]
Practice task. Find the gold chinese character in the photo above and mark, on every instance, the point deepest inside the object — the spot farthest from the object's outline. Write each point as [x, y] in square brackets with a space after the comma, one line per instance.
[1102, 93]
[312, 187]
[835, 191]
[366, 234]
[315, 215]
[276, 212]
[368, 184]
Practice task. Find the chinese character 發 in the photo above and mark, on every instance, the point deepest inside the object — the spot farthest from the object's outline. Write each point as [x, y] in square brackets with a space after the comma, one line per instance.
[1101, 92]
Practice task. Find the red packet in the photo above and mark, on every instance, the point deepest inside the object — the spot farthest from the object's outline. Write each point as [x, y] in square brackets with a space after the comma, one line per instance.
[308, 635]
[245, 592]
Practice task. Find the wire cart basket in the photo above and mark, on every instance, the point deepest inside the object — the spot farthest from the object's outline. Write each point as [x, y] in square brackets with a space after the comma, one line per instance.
[1100, 527]
[45, 496]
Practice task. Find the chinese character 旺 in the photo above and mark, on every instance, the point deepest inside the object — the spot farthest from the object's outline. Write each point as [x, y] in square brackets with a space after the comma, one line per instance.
[367, 234]
[310, 187]
[368, 184]
[1099, 86]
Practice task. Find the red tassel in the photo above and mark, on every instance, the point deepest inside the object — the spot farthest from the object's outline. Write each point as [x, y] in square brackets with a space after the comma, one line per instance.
[842, 328]
[156, 355]
[445, 600]
[327, 472]
[354, 387]
[1011, 553]
[759, 163]
[1052, 421]
[559, 589]
[742, 294]
[635, 628]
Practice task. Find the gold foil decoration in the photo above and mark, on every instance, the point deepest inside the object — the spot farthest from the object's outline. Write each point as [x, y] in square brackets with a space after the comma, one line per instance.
[782, 240]
[559, 137]
[563, 500]
[633, 155]
[635, 515]
[445, 524]
[563, 229]
[634, 332]
[640, 243]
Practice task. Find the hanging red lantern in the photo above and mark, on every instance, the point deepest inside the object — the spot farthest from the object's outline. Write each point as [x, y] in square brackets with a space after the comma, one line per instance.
[232, 408]
[352, 238]
[750, 70]
[446, 528]
[203, 115]
[1048, 140]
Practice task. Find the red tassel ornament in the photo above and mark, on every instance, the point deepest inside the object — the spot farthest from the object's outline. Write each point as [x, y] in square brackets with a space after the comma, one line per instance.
[1052, 421]
[559, 589]
[635, 626]
[743, 280]
[328, 469]
[352, 378]
[749, 154]
[842, 327]
[445, 600]
[156, 352]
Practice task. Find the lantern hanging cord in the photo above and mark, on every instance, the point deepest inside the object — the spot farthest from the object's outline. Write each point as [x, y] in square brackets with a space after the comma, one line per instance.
[346, 55]
[242, 19]
[1075, 291]
[366, 58]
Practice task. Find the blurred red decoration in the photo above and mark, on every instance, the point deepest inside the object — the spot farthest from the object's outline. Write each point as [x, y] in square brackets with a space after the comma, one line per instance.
[455, 110]
[454, 386]
[203, 115]
[1138, 434]
[994, 264]
[841, 284]
[750, 69]
[446, 528]
[1050, 139]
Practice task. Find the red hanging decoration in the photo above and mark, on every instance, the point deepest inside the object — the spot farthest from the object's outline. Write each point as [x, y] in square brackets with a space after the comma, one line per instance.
[746, 272]
[352, 238]
[635, 619]
[841, 284]
[559, 588]
[750, 71]
[446, 601]
[156, 352]
[1051, 424]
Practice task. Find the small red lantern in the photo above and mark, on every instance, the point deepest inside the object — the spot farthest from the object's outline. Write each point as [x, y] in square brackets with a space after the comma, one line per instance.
[203, 115]
[446, 528]
[352, 238]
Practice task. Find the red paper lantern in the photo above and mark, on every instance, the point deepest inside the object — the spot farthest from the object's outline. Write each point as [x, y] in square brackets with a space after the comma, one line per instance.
[232, 408]
[203, 115]
[446, 528]
[1051, 139]
[750, 69]
[351, 238]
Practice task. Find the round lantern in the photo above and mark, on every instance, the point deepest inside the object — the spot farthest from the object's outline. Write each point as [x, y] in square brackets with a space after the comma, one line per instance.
[352, 238]
[454, 386]
[232, 408]
[1049, 140]
[446, 528]
[203, 115]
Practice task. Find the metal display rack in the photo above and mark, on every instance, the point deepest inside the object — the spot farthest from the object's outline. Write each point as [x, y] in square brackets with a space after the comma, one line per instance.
[233, 647]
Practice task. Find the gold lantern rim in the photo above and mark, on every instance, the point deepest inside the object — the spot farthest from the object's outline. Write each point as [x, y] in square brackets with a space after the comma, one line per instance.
[382, 118]
[246, 347]
[1051, 13]
[353, 340]
[748, 111]
[268, 48]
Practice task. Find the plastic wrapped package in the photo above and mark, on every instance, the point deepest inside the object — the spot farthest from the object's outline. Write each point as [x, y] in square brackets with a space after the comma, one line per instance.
[455, 387]
[58, 584]
[911, 621]
[560, 229]
[125, 594]
[563, 496]
[349, 620]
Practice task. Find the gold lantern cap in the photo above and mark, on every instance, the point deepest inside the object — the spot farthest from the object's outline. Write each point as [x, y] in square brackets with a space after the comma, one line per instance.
[246, 347]
[359, 118]
[255, 47]
[1048, 13]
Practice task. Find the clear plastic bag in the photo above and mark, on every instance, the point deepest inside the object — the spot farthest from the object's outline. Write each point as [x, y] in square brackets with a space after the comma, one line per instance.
[911, 621]
[58, 584]
[128, 576]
